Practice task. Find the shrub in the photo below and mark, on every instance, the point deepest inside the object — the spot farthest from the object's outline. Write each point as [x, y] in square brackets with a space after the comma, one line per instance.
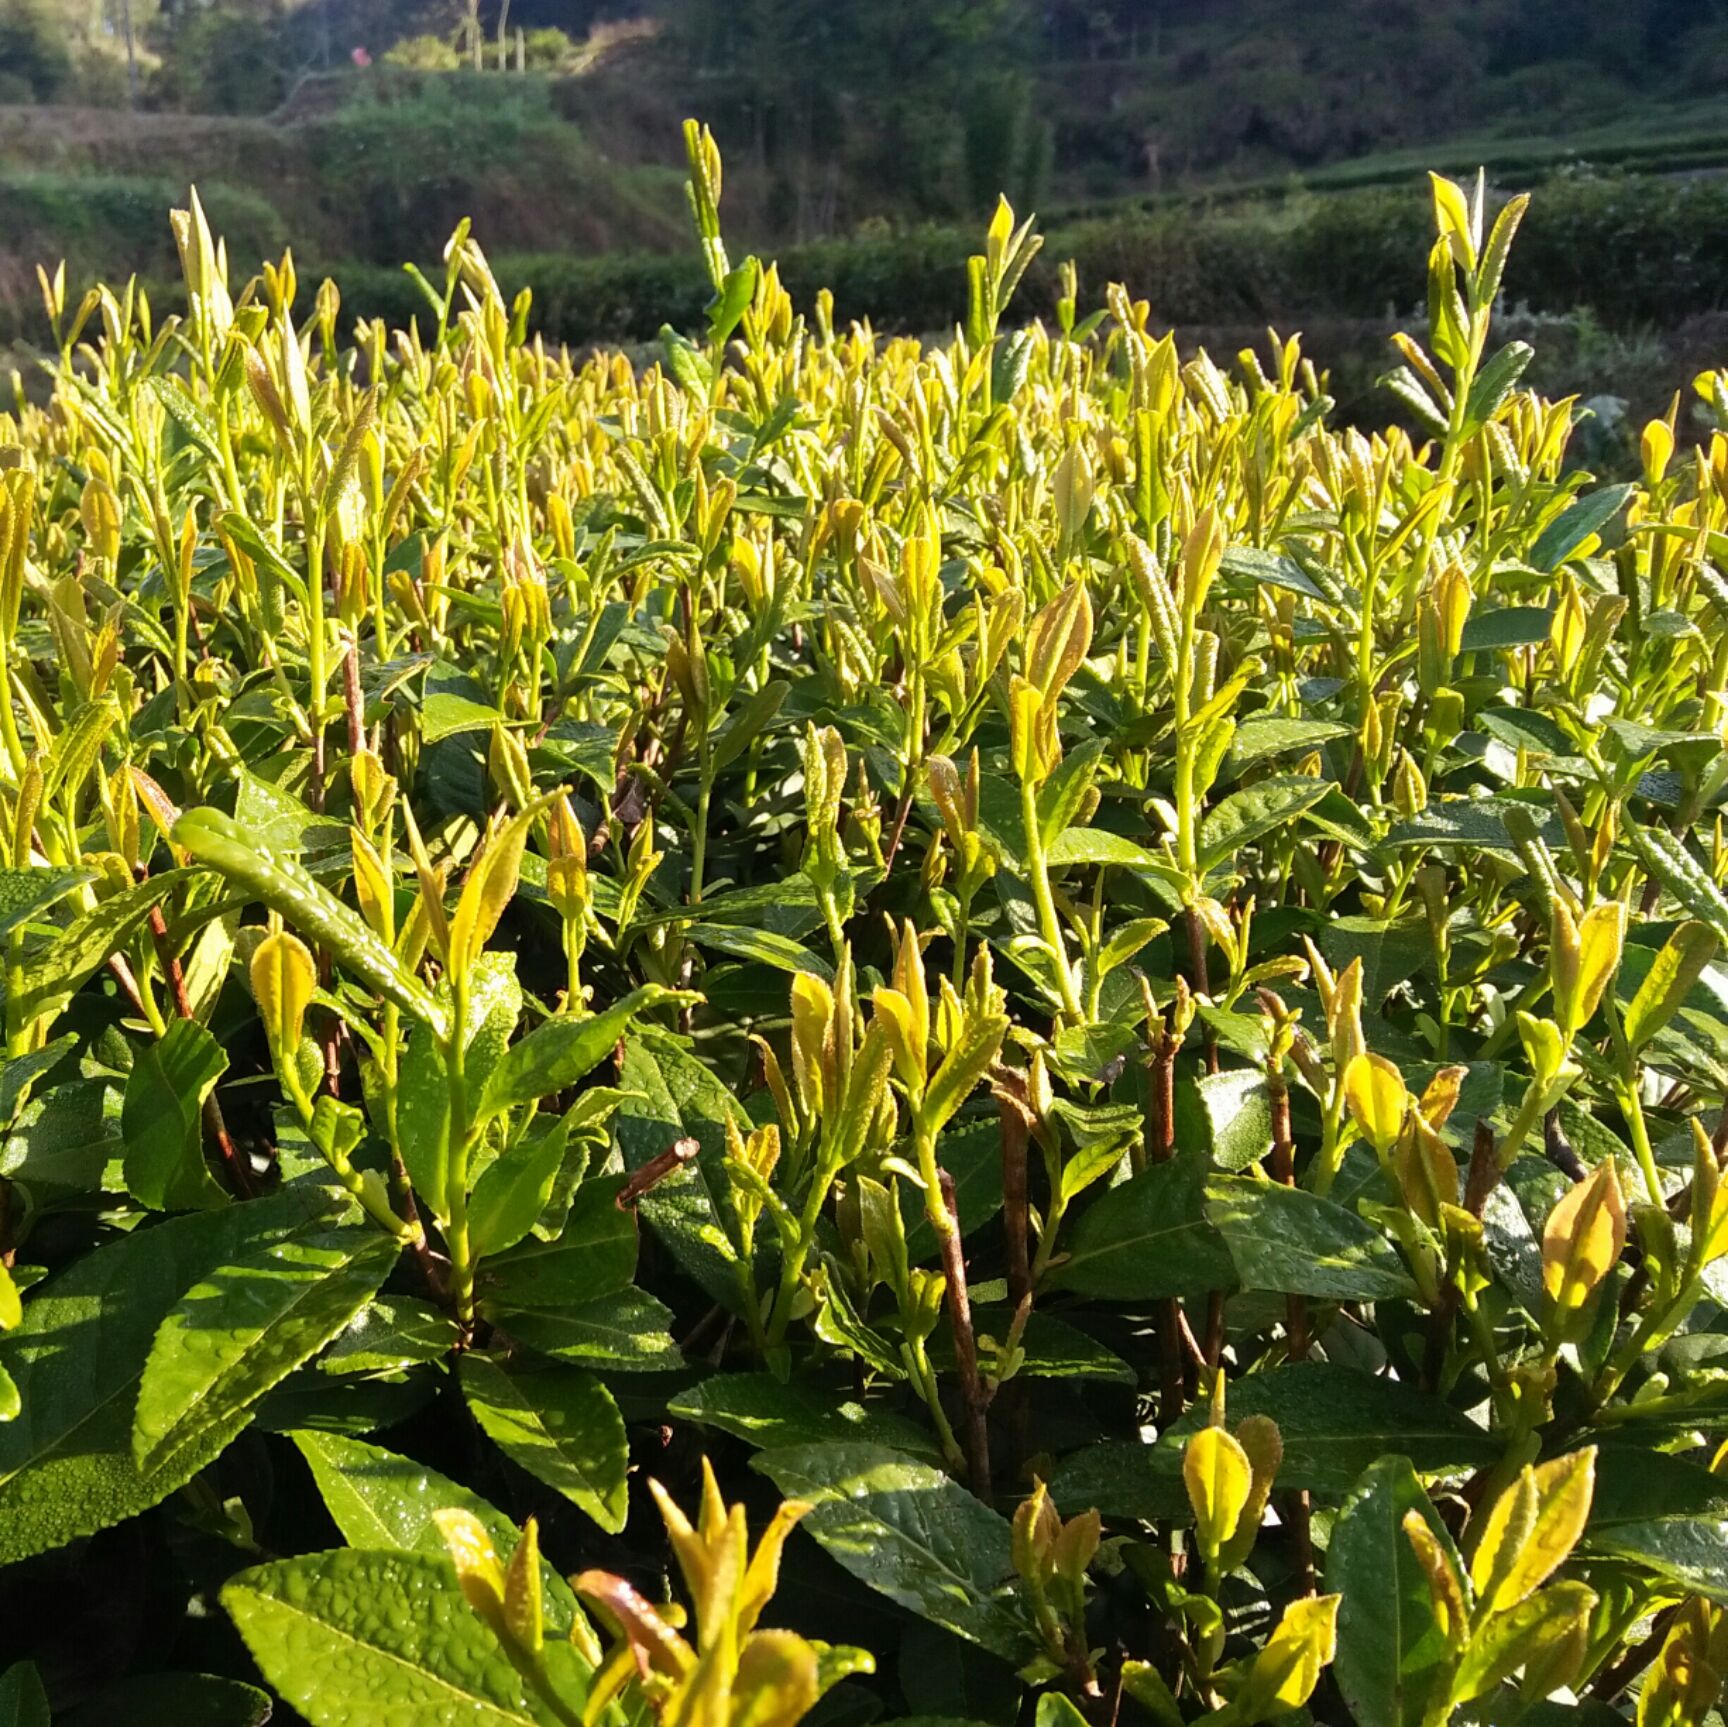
[1634, 251]
[1005, 1003]
[548, 50]
[226, 63]
[423, 54]
[34, 58]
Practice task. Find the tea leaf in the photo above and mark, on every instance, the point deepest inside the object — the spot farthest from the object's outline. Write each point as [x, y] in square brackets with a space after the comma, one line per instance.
[1246, 815]
[627, 1332]
[675, 1097]
[162, 1120]
[23, 1702]
[381, 1501]
[1580, 521]
[1216, 1471]
[1583, 1237]
[913, 1534]
[1531, 1529]
[52, 977]
[1286, 1670]
[1390, 1666]
[1292, 1241]
[1677, 967]
[248, 1323]
[1672, 865]
[1149, 1238]
[1375, 1091]
[373, 1639]
[560, 1425]
[758, 1409]
[594, 1255]
[78, 1358]
[555, 1055]
[24, 895]
[1336, 1423]
[285, 887]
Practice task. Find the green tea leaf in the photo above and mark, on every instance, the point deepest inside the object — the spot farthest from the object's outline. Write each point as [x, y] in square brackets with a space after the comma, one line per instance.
[627, 1332]
[1336, 1422]
[593, 1256]
[66, 1464]
[19, 1073]
[1676, 968]
[55, 973]
[447, 712]
[353, 1639]
[1689, 1554]
[1272, 570]
[764, 946]
[26, 893]
[764, 1412]
[162, 1119]
[1669, 863]
[173, 1700]
[560, 1425]
[749, 723]
[384, 1502]
[1260, 737]
[23, 1702]
[1076, 846]
[677, 1098]
[67, 1143]
[284, 886]
[1053, 1348]
[512, 1192]
[1124, 1479]
[391, 1333]
[1236, 1110]
[562, 1051]
[912, 1533]
[1392, 1661]
[1246, 815]
[1296, 1243]
[1506, 627]
[248, 1323]
[1575, 524]
[1148, 1238]
[1478, 822]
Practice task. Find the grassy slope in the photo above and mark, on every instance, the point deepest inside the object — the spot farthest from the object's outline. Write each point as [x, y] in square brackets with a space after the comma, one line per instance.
[376, 179]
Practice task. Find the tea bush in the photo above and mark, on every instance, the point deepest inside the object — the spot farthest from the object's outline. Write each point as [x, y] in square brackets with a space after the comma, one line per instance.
[1635, 250]
[1106, 994]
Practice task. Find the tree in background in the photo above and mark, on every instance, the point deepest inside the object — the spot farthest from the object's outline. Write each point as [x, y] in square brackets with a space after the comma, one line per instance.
[916, 103]
[227, 58]
[35, 62]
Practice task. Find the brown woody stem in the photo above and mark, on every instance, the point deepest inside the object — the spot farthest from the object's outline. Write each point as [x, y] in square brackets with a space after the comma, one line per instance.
[972, 1394]
[1296, 1307]
[1161, 1147]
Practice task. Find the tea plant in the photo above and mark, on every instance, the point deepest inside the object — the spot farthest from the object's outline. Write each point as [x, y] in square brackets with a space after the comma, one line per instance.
[1107, 993]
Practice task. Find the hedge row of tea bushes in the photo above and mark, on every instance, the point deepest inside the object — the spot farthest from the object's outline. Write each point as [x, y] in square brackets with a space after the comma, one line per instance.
[1634, 250]
[828, 1031]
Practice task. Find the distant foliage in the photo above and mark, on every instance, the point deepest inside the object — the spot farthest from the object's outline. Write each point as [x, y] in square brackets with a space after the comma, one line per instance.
[35, 63]
[220, 61]
[423, 54]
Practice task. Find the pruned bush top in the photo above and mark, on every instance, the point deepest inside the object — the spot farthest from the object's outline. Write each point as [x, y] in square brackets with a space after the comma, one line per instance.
[845, 1031]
